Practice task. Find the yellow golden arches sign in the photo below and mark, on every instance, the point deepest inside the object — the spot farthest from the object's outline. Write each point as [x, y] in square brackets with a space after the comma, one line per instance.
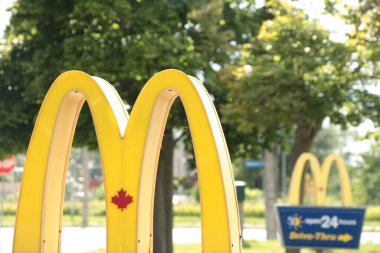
[129, 151]
[320, 177]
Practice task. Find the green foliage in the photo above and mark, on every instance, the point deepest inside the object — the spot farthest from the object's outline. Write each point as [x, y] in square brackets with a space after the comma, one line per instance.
[96, 207]
[253, 195]
[195, 192]
[187, 210]
[124, 42]
[98, 193]
[70, 209]
[368, 177]
[372, 213]
[250, 209]
[254, 210]
[252, 177]
[9, 208]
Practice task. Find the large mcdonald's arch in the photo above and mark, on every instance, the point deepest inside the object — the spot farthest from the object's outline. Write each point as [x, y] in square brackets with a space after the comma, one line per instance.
[129, 149]
[320, 177]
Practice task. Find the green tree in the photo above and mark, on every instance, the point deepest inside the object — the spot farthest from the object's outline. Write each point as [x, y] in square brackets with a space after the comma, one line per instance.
[291, 76]
[369, 176]
[31, 53]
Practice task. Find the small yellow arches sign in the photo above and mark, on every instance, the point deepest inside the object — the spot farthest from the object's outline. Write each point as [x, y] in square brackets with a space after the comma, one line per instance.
[320, 177]
[320, 226]
[129, 149]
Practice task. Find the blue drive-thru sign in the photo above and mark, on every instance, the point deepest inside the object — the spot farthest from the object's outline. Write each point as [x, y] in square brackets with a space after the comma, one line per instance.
[320, 227]
[253, 164]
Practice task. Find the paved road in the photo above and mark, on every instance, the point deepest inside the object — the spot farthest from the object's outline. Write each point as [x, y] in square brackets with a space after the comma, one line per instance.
[92, 238]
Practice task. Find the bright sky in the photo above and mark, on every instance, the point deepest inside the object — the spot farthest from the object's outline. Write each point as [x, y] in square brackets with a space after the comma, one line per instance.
[4, 14]
[336, 25]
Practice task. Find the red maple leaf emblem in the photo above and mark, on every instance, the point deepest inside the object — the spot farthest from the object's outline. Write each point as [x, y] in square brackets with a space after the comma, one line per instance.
[122, 200]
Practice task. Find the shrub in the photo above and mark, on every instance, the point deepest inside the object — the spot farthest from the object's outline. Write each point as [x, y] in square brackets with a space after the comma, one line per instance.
[187, 210]
[254, 210]
[9, 208]
[373, 213]
[253, 194]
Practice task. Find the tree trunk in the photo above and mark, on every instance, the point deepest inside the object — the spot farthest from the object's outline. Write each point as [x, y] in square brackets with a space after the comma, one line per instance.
[270, 175]
[305, 135]
[163, 209]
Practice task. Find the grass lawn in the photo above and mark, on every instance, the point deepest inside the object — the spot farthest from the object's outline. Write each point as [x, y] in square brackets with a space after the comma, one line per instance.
[265, 247]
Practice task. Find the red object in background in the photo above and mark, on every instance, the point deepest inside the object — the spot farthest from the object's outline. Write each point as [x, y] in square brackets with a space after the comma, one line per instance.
[7, 165]
[94, 183]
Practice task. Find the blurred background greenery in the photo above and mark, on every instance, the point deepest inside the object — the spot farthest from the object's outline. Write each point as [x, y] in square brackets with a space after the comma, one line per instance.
[286, 77]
